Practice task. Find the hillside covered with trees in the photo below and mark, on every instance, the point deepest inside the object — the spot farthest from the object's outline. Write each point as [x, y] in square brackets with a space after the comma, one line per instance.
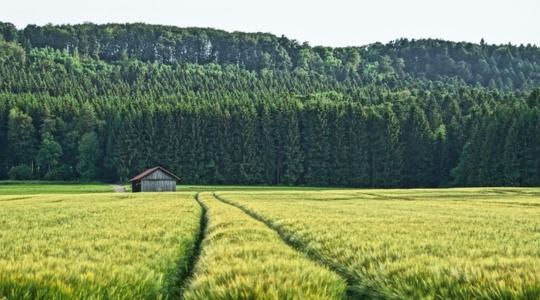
[103, 102]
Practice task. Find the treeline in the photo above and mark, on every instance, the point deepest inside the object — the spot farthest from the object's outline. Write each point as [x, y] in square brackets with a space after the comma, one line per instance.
[503, 148]
[103, 102]
[323, 139]
[495, 66]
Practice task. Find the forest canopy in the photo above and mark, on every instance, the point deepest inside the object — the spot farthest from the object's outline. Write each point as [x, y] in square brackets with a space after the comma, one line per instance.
[103, 102]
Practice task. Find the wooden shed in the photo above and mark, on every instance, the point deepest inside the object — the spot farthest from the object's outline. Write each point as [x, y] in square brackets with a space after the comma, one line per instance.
[156, 179]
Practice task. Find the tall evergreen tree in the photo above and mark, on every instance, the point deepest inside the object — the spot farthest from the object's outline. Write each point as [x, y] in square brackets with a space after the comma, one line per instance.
[89, 156]
[21, 137]
[49, 154]
[417, 140]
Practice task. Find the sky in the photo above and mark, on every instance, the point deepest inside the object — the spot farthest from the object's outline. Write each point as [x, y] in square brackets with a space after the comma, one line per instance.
[330, 23]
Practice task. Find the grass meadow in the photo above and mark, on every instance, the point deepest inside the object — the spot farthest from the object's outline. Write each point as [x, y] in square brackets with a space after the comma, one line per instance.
[41, 187]
[414, 244]
[96, 246]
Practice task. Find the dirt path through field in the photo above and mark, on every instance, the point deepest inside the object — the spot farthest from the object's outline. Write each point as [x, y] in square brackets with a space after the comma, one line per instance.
[118, 188]
[352, 291]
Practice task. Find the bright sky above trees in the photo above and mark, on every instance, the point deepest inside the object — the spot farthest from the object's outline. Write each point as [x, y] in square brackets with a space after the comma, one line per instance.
[331, 23]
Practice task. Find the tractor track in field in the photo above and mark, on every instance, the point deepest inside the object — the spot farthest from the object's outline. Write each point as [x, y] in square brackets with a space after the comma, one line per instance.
[184, 280]
[354, 291]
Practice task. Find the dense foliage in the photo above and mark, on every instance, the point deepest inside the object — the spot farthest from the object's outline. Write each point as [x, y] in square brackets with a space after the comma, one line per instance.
[106, 101]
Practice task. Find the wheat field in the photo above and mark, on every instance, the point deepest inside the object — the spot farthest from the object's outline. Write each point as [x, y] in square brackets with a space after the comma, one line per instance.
[95, 246]
[265, 243]
[415, 244]
[244, 259]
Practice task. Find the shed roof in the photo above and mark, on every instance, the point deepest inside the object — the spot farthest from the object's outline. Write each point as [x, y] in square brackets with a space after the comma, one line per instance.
[152, 170]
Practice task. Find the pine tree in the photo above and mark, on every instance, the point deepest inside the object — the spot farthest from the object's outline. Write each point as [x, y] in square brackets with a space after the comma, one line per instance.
[293, 158]
[417, 140]
[89, 155]
[48, 155]
[21, 137]
[513, 155]
[358, 139]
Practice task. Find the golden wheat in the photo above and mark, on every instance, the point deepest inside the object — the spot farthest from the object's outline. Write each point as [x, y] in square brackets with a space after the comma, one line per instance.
[103, 246]
[242, 258]
[415, 244]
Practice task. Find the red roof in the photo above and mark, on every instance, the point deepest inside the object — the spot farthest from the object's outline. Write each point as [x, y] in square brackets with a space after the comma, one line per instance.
[152, 170]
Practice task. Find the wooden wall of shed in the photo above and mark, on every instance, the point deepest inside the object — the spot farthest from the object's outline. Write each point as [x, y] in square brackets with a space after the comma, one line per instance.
[166, 185]
[158, 175]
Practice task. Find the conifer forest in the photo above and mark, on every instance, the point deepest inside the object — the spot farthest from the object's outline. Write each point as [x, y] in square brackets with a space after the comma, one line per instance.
[103, 102]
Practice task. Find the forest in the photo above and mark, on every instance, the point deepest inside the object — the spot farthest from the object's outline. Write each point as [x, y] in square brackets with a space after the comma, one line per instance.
[103, 102]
